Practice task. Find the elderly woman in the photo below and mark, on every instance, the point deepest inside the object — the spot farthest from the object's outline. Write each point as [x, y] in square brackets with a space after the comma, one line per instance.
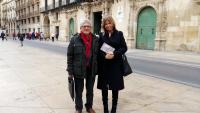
[110, 62]
[82, 65]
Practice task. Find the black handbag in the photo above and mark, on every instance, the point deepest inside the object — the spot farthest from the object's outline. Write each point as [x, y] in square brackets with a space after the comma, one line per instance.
[71, 88]
[126, 67]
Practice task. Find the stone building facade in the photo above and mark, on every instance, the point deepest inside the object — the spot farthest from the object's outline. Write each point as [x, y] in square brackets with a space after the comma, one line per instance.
[4, 18]
[28, 16]
[163, 25]
[64, 16]
[11, 16]
[1, 14]
[8, 16]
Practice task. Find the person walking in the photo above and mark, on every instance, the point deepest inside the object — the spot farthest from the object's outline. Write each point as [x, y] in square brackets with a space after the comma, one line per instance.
[6, 36]
[110, 62]
[2, 35]
[52, 37]
[41, 36]
[33, 35]
[82, 64]
[21, 38]
[18, 35]
[14, 36]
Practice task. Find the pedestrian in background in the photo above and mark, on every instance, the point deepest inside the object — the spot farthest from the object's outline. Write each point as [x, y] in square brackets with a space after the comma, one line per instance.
[33, 35]
[82, 65]
[18, 35]
[52, 37]
[41, 36]
[2, 35]
[21, 38]
[14, 36]
[110, 63]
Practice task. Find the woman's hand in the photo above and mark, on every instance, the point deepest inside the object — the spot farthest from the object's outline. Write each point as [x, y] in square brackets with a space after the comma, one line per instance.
[70, 76]
[109, 55]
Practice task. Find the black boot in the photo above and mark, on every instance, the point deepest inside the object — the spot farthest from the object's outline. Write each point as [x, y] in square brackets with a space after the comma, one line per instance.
[114, 108]
[106, 109]
[114, 101]
[105, 100]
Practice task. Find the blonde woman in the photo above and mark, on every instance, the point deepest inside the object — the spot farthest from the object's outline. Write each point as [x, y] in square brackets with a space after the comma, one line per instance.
[110, 62]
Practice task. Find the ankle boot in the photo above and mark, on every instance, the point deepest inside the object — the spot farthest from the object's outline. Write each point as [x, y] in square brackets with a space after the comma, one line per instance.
[105, 108]
[114, 108]
[105, 101]
[114, 105]
[114, 101]
[105, 104]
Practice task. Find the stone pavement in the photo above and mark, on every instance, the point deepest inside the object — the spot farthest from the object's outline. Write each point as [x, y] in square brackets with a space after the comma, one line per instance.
[33, 80]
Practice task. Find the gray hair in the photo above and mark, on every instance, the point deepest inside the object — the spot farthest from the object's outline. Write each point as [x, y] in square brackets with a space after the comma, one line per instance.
[86, 22]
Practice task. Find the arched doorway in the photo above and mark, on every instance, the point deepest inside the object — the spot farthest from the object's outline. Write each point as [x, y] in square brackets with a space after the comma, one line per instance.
[46, 27]
[146, 29]
[71, 28]
[97, 16]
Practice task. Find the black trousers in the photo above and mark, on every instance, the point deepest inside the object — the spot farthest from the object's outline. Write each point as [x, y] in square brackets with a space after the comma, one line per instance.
[79, 86]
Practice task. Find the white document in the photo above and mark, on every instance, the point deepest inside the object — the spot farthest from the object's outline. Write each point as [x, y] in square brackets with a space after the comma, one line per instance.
[107, 48]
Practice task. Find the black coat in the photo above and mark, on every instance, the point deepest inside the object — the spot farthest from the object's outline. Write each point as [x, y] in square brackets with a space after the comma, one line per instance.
[21, 37]
[76, 58]
[2, 35]
[110, 71]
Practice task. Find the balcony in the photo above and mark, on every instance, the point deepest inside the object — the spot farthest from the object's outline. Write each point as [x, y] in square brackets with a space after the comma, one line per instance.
[17, 8]
[21, 6]
[49, 7]
[33, 14]
[27, 15]
[36, 1]
[29, 3]
[43, 9]
[36, 13]
[22, 17]
[62, 4]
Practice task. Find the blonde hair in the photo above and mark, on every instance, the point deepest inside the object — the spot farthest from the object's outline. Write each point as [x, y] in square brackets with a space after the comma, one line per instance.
[109, 19]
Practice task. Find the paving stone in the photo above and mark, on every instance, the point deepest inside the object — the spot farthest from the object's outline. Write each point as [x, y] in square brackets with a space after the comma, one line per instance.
[33, 80]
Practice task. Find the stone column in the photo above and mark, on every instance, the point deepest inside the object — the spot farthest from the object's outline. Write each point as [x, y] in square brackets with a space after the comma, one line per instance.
[75, 23]
[198, 40]
[87, 11]
[107, 7]
[67, 26]
[160, 41]
[131, 38]
[62, 26]
[163, 28]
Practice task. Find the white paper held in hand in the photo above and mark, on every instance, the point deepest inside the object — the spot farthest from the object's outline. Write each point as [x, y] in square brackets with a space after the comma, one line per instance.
[107, 48]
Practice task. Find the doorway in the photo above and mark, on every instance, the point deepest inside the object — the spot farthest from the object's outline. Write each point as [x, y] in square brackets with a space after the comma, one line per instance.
[146, 29]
